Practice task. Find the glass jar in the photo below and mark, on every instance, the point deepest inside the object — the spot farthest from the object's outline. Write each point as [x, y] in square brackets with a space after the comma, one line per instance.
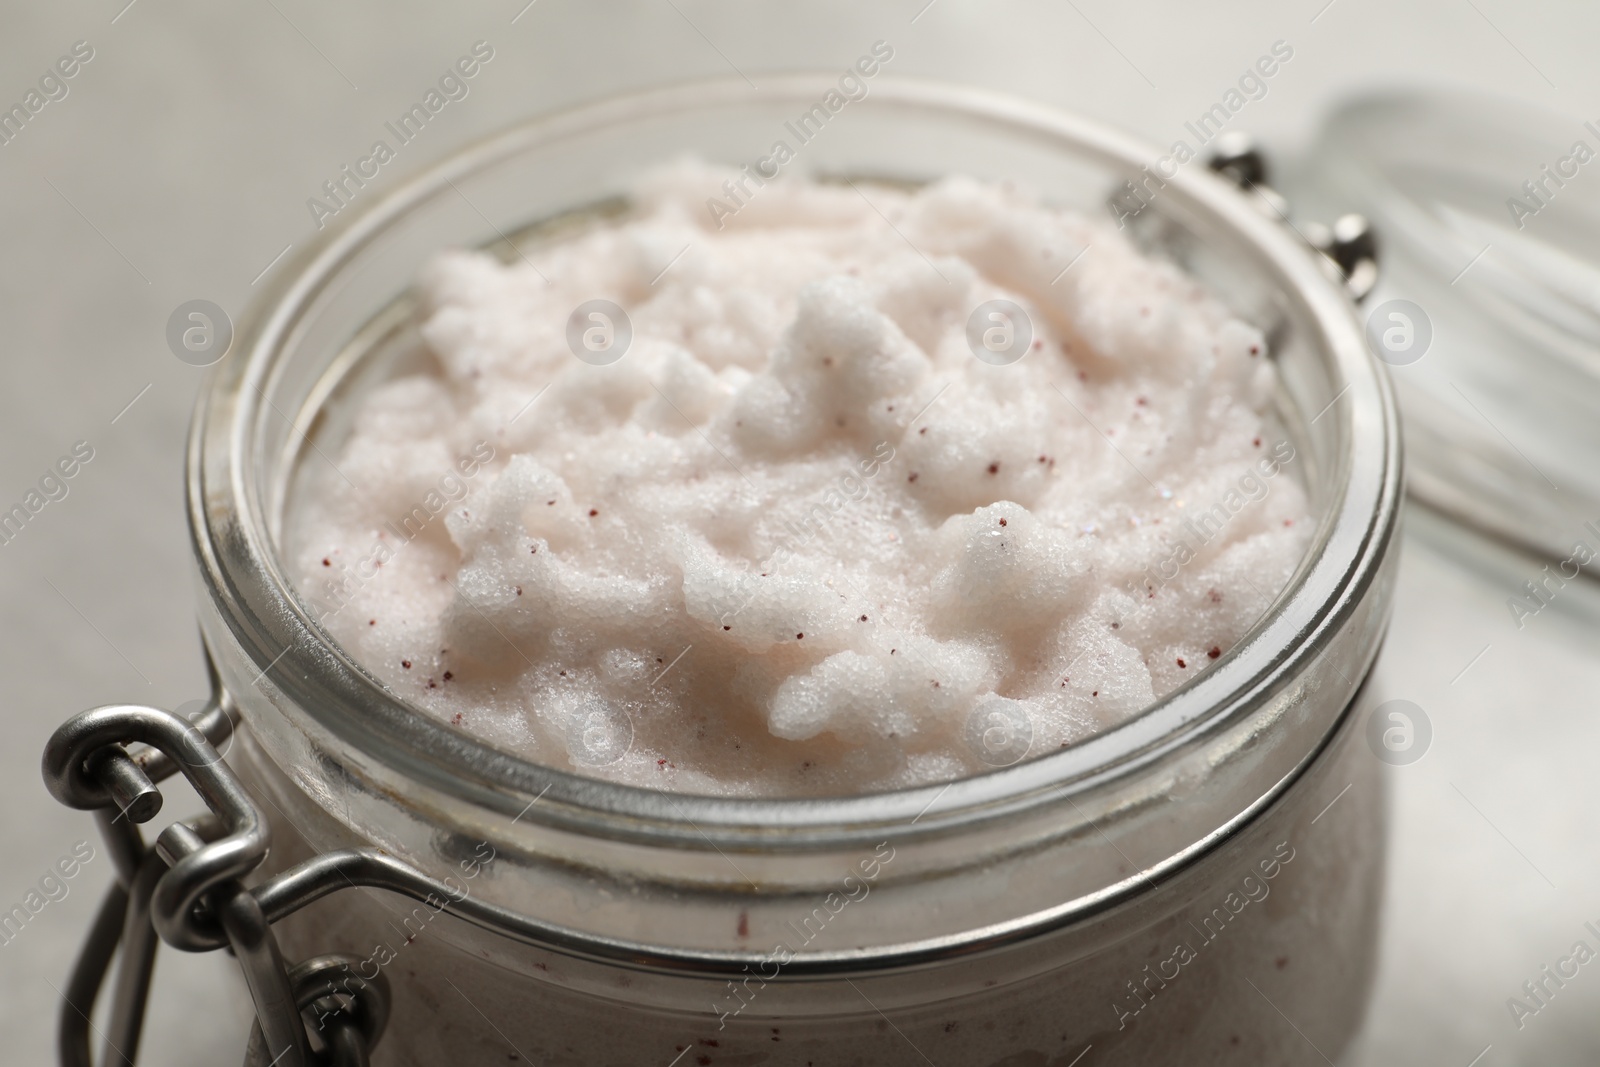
[1199, 884]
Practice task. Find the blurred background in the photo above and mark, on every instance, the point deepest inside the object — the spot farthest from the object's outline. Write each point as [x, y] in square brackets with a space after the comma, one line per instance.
[178, 164]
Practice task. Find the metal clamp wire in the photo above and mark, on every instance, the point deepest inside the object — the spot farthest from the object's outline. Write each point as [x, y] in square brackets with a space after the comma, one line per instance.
[88, 972]
[277, 1015]
[351, 1016]
[187, 889]
[67, 774]
[162, 889]
[134, 969]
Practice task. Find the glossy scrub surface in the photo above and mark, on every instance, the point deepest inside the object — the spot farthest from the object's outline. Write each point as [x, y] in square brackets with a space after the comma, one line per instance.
[810, 519]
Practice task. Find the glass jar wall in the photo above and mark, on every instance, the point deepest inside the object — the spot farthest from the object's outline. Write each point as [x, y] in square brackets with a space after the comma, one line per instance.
[1176, 889]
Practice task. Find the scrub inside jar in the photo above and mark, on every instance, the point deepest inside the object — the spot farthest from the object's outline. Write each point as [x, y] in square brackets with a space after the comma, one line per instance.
[819, 489]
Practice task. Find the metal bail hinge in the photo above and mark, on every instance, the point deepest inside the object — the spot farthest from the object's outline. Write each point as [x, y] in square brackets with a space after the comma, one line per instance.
[1350, 243]
[186, 890]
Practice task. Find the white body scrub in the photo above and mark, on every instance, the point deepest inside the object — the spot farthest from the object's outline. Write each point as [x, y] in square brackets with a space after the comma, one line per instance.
[798, 539]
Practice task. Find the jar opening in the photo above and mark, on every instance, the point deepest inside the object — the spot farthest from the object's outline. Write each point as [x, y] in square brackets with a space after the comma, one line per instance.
[295, 356]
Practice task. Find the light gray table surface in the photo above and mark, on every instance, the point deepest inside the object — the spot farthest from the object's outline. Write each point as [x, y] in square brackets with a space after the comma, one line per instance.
[178, 167]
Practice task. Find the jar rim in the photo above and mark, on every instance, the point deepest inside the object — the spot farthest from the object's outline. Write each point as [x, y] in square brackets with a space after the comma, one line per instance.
[231, 524]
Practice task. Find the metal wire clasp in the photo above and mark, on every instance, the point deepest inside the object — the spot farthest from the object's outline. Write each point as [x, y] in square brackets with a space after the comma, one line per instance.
[187, 889]
[1350, 244]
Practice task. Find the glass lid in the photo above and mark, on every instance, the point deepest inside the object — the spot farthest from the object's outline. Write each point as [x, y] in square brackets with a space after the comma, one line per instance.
[1487, 310]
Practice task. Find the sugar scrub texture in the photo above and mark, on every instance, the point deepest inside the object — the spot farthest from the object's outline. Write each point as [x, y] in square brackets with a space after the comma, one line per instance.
[798, 539]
